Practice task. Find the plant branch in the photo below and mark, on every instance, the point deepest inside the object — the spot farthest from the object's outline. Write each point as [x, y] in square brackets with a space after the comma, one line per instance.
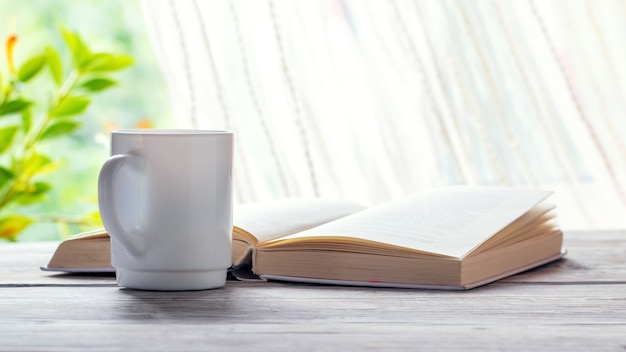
[63, 92]
[34, 136]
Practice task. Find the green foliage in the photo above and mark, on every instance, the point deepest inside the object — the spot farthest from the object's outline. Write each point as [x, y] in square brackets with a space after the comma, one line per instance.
[23, 130]
[13, 106]
[31, 67]
[12, 225]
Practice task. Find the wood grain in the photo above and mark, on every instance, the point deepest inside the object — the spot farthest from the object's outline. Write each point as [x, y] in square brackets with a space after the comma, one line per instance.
[578, 303]
[20, 266]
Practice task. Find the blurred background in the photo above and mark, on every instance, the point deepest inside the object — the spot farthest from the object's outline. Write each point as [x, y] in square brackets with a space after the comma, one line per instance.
[371, 100]
[364, 100]
[139, 100]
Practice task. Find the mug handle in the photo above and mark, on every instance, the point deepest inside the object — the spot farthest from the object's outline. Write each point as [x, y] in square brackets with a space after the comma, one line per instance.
[107, 202]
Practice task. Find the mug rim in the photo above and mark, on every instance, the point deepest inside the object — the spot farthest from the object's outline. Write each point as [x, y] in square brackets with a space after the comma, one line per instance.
[168, 131]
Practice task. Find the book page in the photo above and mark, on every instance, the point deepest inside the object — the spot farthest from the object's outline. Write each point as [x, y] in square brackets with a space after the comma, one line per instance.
[449, 221]
[274, 219]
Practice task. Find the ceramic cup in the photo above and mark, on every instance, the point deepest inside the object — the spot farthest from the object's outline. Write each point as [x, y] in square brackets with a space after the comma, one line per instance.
[165, 199]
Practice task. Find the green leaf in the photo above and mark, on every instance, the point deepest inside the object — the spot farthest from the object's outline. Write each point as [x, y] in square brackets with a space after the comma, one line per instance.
[55, 65]
[27, 120]
[13, 106]
[96, 60]
[80, 51]
[41, 164]
[5, 176]
[70, 106]
[41, 187]
[105, 62]
[34, 164]
[7, 135]
[12, 225]
[120, 62]
[33, 193]
[31, 67]
[59, 128]
[98, 84]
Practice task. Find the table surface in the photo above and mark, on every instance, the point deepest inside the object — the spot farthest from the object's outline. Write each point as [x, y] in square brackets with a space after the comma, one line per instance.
[577, 303]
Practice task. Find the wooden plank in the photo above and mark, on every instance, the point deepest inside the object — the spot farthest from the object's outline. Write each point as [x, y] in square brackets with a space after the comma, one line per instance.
[272, 316]
[271, 303]
[575, 304]
[244, 337]
[20, 263]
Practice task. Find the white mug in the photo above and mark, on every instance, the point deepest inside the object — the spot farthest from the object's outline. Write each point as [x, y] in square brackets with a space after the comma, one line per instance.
[165, 198]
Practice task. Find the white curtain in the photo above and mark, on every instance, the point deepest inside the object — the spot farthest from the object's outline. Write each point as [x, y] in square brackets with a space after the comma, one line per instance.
[373, 99]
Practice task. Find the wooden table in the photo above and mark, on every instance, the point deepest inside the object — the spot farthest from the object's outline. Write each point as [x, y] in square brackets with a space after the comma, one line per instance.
[578, 303]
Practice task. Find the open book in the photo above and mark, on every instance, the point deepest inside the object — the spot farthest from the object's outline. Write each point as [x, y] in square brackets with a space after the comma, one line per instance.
[450, 238]
[90, 252]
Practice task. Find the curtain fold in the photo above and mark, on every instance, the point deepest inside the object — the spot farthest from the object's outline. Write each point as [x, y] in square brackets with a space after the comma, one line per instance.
[371, 100]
